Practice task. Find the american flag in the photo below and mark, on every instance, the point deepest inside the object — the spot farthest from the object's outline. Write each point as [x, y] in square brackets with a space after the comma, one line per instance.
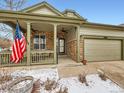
[19, 45]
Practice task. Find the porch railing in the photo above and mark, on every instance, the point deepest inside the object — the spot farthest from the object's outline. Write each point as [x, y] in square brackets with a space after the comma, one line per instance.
[5, 59]
[42, 57]
[37, 57]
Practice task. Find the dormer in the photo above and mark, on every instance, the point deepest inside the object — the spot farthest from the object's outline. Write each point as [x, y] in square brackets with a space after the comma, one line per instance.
[72, 13]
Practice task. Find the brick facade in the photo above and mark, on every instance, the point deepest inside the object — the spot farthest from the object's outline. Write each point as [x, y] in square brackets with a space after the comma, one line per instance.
[71, 46]
[49, 39]
[71, 49]
[61, 35]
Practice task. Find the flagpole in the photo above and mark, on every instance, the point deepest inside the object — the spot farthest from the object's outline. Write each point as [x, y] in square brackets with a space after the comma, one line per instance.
[21, 30]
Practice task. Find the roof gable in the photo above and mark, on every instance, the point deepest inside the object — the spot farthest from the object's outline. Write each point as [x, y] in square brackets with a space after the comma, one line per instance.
[73, 14]
[43, 8]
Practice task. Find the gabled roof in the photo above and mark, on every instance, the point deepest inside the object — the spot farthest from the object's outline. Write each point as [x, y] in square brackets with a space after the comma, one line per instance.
[75, 13]
[37, 6]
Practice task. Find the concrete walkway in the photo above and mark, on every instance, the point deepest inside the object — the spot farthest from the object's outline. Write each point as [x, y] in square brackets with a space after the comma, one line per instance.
[67, 67]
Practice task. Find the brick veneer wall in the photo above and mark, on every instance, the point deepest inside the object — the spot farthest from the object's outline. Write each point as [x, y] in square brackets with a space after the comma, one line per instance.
[71, 49]
[61, 35]
[70, 45]
[49, 39]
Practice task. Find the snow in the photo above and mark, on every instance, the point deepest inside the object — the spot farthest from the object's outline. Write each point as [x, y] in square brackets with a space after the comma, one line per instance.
[21, 84]
[96, 85]
[41, 74]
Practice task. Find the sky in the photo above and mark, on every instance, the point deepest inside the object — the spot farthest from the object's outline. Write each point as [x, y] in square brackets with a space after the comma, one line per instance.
[6, 31]
[97, 11]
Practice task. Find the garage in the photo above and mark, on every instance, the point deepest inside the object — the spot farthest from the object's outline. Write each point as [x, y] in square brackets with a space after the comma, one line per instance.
[102, 50]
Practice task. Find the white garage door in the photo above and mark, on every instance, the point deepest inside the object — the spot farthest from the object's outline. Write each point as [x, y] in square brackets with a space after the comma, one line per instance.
[102, 50]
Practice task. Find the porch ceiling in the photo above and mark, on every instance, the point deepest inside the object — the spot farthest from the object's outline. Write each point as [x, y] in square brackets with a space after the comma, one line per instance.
[38, 26]
[48, 27]
[42, 27]
[65, 27]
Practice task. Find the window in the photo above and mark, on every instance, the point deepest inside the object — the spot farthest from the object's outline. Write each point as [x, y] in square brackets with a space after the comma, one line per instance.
[39, 42]
[61, 45]
[42, 42]
[36, 42]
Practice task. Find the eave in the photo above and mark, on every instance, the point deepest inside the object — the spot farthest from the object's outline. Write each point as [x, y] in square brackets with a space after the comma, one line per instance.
[5, 14]
[103, 26]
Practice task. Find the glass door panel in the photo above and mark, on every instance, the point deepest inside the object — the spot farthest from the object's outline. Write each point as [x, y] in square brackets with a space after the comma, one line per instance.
[61, 45]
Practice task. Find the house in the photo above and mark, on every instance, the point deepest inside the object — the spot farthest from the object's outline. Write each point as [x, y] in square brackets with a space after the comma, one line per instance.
[50, 33]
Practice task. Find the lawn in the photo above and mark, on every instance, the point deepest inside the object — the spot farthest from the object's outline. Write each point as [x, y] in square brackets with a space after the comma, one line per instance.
[68, 85]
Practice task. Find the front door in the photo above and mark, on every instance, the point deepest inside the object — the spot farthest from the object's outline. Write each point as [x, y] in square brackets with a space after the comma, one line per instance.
[61, 46]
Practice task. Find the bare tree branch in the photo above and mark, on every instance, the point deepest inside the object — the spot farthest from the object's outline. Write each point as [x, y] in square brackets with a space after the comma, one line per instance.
[13, 5]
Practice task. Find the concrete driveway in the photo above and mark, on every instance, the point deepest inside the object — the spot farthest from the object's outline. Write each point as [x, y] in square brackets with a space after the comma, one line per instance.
[113, 69]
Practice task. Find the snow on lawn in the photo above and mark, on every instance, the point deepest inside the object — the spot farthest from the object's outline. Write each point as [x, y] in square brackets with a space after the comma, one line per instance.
[41, 74]
[96, 85]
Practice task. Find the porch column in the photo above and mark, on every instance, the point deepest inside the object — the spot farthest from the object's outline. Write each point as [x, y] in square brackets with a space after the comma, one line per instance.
[78, 43]
[55, 37]
[28, 43]
[122, 49]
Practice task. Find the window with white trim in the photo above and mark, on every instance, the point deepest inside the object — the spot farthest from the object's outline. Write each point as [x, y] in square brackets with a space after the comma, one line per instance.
[39, 42]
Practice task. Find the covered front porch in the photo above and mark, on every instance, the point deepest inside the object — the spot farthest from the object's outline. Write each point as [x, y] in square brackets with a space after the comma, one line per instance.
[45, 42]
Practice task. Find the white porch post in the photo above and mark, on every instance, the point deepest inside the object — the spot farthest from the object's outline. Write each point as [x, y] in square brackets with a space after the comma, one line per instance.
[78, 43]
[55, 37]
[122, 49]
[28, 43]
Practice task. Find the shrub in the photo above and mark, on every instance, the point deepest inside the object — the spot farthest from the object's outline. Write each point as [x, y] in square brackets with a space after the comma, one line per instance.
[50, 84]
[82, 78]
[64, 90]
[101, 74]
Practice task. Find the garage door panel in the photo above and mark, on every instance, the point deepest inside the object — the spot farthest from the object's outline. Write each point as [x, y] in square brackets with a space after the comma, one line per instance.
[101, 50]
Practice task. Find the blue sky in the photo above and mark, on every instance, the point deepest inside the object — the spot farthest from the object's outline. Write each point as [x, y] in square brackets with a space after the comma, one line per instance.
[98, 11]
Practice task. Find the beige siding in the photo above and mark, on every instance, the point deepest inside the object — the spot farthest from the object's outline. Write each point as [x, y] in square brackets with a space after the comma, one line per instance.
[44, 10]
[101, 32]
[69, 14]
[102, 50]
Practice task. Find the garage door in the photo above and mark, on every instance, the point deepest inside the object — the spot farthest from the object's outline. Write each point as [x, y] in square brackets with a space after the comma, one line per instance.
[102, 50]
